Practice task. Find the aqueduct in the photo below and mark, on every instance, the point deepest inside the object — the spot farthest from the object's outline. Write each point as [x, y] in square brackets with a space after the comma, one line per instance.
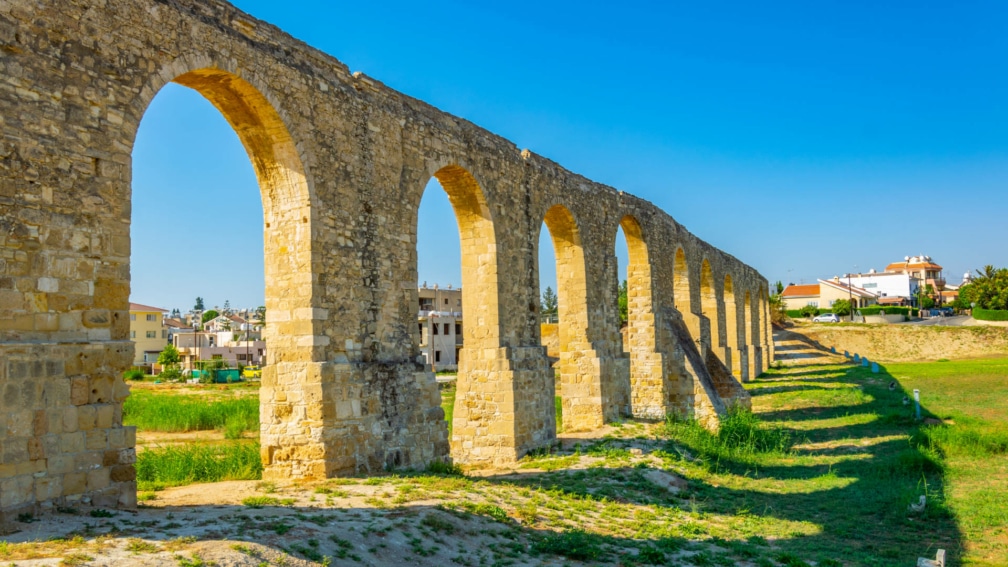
[342, 162]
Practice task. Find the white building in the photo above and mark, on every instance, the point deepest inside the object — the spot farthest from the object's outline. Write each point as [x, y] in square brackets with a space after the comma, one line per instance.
[887, 286]
[440, 324]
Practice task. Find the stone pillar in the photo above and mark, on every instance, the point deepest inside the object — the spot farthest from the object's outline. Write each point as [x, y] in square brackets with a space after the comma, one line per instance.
[504, 406]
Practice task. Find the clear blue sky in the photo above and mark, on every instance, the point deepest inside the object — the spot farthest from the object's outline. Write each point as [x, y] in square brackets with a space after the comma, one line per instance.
[804, 138]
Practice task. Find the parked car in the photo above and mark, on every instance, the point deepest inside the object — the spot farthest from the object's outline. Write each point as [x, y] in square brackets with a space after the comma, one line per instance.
[252, 372]
[826, 318]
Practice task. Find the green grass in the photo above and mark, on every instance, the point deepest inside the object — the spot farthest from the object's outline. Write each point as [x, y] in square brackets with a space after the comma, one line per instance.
[971, 399]
[859, 442]
[157, 411]
[164, 467]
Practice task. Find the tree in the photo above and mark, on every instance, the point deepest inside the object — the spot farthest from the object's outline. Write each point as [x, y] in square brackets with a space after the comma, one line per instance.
[169, 361]
[624, 309]
[227, 307]
[809, 311]
[169, 356]
[777, 313]
[261, 314]
[989, 290]
[779, 287]
[842, 307]
[208, 315]
[199, 304]
[549, 302]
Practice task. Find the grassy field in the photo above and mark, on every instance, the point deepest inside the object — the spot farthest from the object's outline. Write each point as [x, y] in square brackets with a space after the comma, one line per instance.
[823, 472]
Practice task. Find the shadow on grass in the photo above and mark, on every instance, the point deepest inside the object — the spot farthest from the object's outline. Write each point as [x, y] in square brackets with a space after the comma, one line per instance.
[856, 494]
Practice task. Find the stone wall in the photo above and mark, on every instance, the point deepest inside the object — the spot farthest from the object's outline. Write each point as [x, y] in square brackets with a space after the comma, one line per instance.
[342, 162]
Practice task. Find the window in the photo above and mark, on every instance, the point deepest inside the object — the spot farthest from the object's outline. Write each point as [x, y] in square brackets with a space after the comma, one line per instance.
[164, 334]
[446, 301]
[434, 327]
[132, 334]
[447, 329]
[151, 317]
[421, 328]
[132, 316]
[151, 334]
[458, 328]
[437, 356]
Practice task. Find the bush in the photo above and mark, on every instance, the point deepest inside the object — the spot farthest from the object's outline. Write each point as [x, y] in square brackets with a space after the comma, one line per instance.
[990, 314]
[841, 307]
[133, 374]
[171, 374]
[809, 311]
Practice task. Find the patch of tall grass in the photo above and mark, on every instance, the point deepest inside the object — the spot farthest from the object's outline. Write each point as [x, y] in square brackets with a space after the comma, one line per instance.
[968, 437]
[741, 436]
[163, 467]
[175, 413]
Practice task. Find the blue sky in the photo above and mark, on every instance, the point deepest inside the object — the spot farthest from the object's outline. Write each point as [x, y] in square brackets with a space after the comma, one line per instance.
[804, 138]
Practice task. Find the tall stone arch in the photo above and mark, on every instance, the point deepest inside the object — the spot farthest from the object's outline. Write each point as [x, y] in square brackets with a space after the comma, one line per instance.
[581, 389]
[710, 308]
[293, 379]
[732, 357]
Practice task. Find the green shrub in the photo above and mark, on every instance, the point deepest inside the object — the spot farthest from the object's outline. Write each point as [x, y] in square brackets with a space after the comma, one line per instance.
[133, 374]
[990, 314]
[170, 374]
[809, 311]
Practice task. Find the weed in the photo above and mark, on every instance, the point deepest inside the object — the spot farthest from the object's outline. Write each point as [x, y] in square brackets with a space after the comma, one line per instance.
[438, 524]
[100, 513]
[137, 545]
[573, 544]
[75, 559]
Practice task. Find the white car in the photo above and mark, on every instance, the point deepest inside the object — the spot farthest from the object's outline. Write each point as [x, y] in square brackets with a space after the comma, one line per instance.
[826, 318]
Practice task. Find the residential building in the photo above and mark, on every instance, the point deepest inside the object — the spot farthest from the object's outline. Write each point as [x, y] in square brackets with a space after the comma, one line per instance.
[837, 288]
[194, 347]
[890, 288]
[440, 324]
[147, 333]
[798, 296]
[920, 268]
[175, 326]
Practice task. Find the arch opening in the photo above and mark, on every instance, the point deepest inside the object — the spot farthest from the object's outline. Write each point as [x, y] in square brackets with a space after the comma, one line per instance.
[578, 396]
[732, 347]
[457, 327]
[285, 221]
[709, 308]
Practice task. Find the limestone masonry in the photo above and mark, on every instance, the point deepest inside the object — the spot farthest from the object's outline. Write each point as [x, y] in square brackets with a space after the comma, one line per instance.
[342, 162]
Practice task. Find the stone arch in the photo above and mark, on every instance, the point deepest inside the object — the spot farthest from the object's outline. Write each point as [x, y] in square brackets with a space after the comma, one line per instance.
[648, 390]
[579, 387]
[292, 382]
[479, 409]
[478, 243]
[709, 307]
[732, 346]
[750, 329]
